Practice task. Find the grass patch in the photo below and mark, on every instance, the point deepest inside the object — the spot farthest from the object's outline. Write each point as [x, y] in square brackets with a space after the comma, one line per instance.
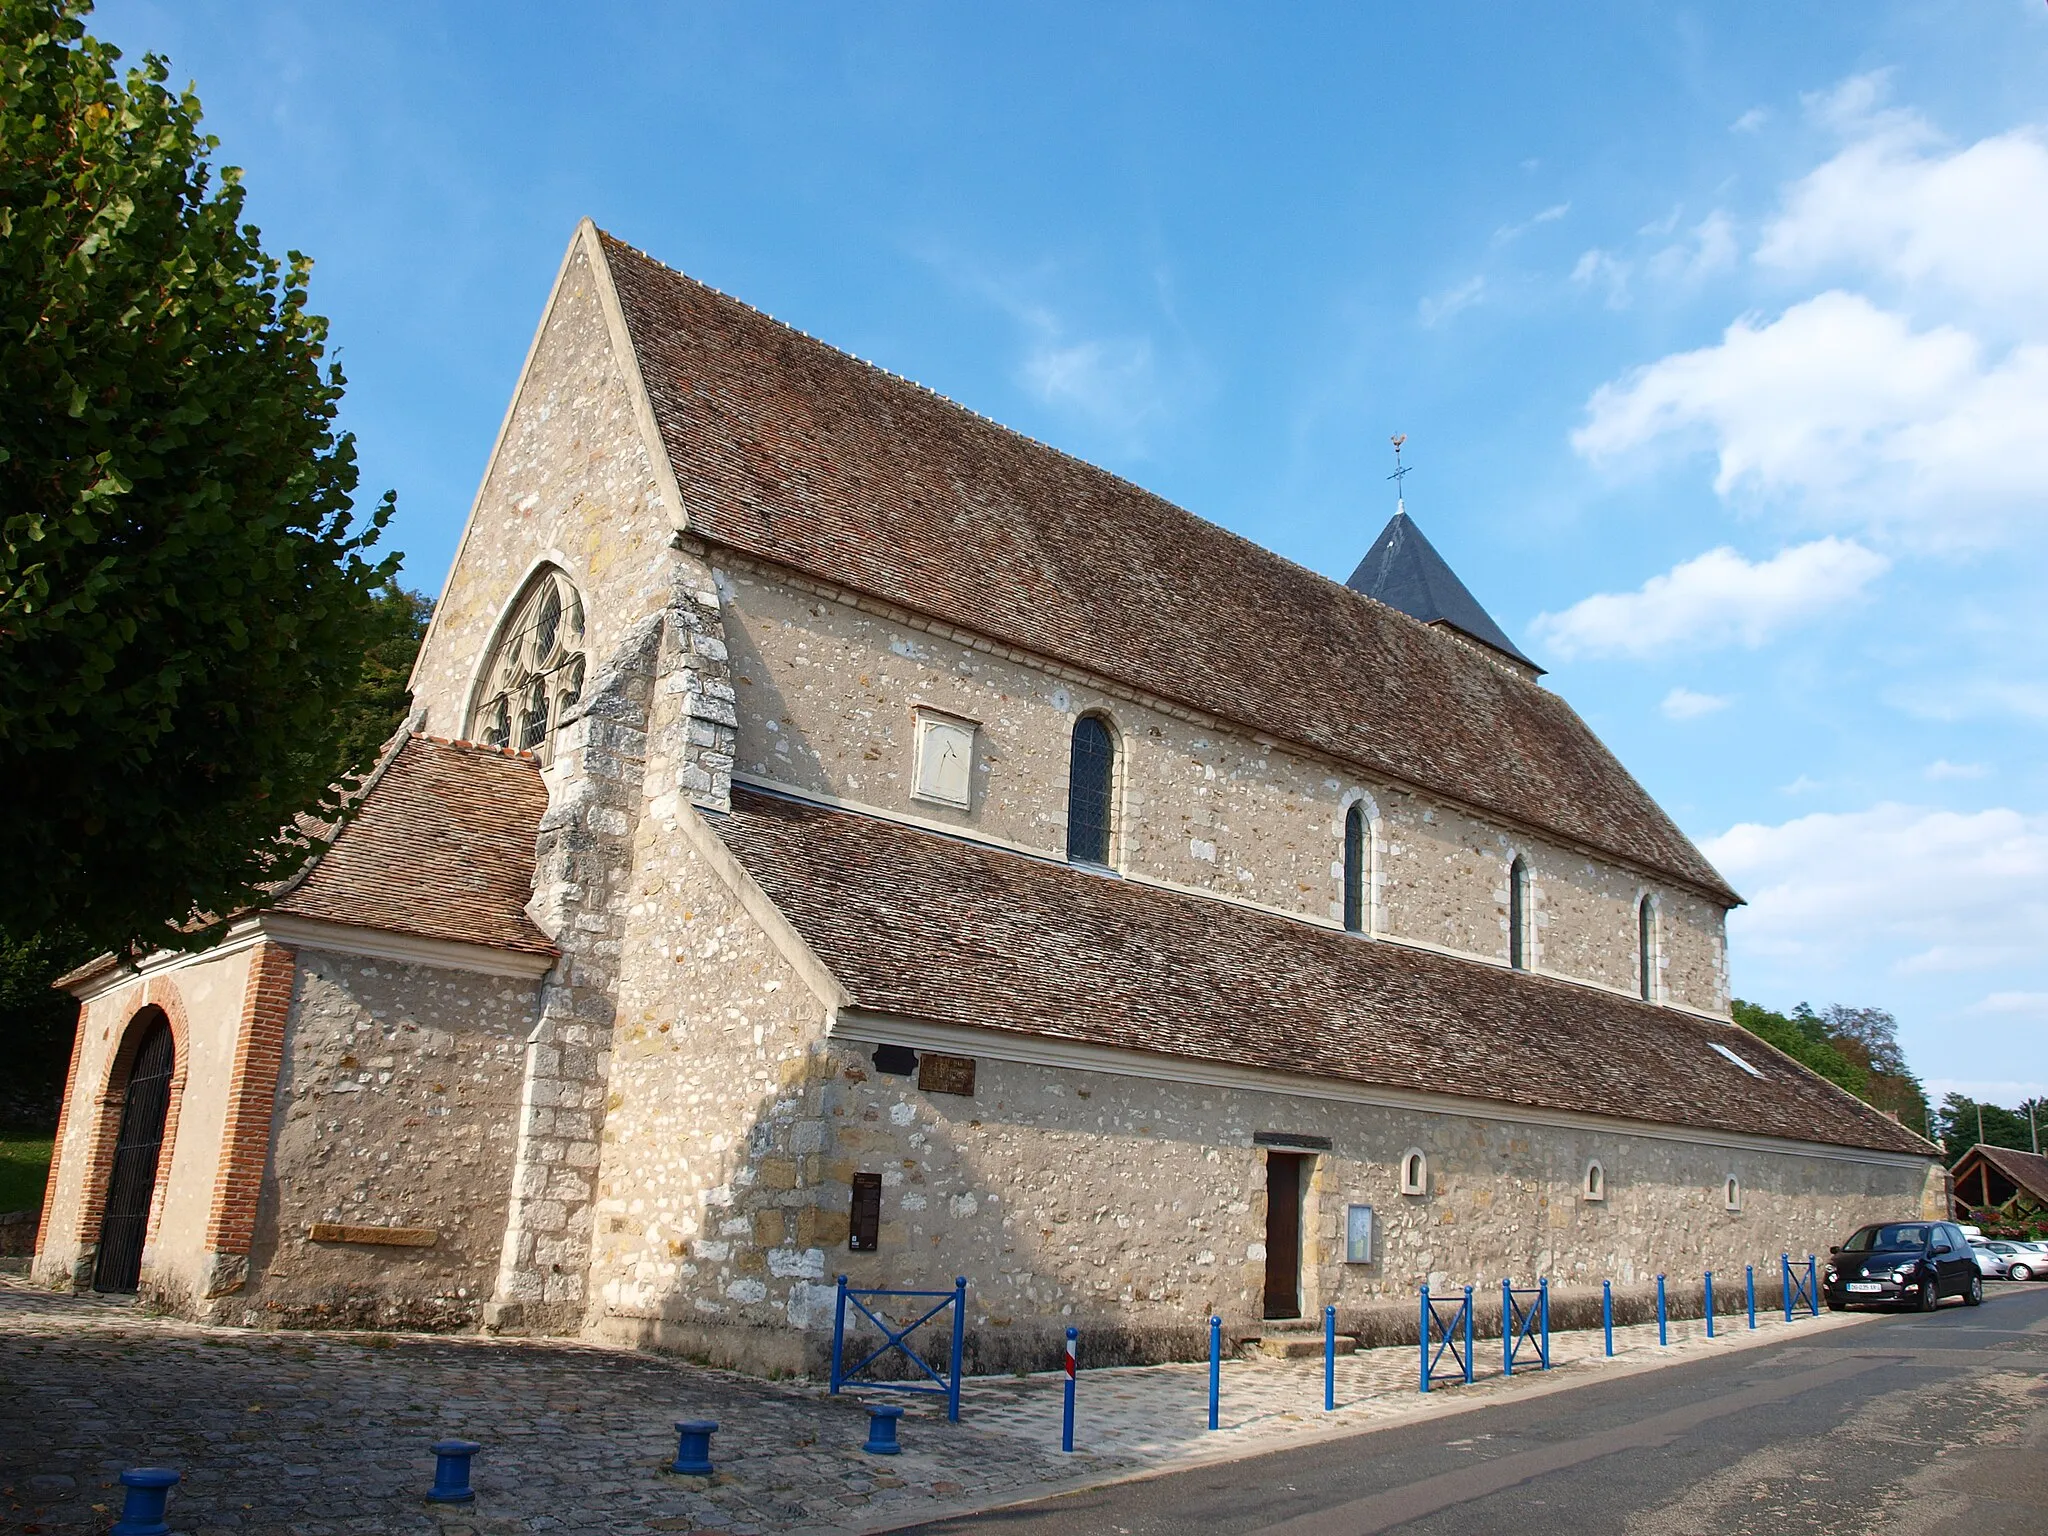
[24, 1168]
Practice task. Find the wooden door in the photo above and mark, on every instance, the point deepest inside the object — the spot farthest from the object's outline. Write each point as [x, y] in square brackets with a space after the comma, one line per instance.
[1283, 1233]
[132, 1188]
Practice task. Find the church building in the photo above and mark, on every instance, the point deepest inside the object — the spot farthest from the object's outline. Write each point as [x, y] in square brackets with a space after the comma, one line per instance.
[837, 834]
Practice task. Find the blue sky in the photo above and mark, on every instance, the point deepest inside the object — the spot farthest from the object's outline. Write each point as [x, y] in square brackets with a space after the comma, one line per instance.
[1720, 335]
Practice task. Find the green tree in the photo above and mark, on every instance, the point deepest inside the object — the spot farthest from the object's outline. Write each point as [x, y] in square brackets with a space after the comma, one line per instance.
[186, 600]
[1966, 1121]
[1857, 1048]
[1801, 1036]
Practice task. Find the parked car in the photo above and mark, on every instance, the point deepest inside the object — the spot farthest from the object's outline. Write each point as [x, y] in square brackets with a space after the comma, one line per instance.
[1903, 1263]
[2021, 1261]
[1989, 1264]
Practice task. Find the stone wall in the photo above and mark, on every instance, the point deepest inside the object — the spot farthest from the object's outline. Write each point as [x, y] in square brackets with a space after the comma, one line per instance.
[396, 1108]
[1026, 1188]
[571, 481]
[828, 694]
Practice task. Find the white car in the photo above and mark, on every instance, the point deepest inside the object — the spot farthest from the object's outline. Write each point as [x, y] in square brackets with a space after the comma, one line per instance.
[1989, 1264]
[2021, 1261]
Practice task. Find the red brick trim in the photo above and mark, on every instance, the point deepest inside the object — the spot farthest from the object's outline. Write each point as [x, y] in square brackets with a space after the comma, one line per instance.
[159, 996]
[252, 1099]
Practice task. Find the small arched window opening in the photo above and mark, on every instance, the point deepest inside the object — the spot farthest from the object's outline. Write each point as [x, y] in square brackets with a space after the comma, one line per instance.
[1518, 914]
[1594, 1187]
[1731, 1192]
[1091, 791]
[535, 672]
[1646, 947]
[1357, 854]
[1414, 1172]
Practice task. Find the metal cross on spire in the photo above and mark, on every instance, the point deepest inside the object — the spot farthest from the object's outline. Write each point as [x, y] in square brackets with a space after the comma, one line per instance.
[1400, 474]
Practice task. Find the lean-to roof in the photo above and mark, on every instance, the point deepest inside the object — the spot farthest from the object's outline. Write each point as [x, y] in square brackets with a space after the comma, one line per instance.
[921, 925]
[794, 452]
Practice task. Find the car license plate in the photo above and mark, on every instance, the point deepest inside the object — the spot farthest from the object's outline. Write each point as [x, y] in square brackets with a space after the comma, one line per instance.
[1865, 1285]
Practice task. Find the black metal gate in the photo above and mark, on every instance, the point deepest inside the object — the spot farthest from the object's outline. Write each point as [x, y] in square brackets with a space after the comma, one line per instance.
[129, 1191]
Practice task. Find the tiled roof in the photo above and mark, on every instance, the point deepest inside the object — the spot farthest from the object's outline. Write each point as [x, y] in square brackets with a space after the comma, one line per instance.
[441, 848]
[932, 927]
[2028, 1170]
[797, 453]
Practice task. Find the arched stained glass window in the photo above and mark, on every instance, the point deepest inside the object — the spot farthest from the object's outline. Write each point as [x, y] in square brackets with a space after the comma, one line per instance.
[1356, 852]
[1518, 914]
[1091, 789]
[536, 669]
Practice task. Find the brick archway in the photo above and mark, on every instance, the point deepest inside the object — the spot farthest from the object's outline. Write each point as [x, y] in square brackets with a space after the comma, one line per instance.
[160, 1000]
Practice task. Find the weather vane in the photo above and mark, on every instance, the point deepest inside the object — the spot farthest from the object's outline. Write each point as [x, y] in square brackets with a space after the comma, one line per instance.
[1400, 473]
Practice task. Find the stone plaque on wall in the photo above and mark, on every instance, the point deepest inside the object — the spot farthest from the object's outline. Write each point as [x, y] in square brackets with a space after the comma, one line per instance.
[946, 1074]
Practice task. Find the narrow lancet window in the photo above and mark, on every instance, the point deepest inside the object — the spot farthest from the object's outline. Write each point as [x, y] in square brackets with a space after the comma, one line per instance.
[1646, 946]
[1354, 869]
[1518, 915]
[1090, 791]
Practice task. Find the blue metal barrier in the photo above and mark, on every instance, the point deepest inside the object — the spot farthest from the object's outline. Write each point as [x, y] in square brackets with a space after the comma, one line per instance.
[946, 1386]
[1710, 1304]
[1215, 1368]
[1663, 1326]
[1801, 1289]
[1607, 1312]
[1524, 1319]
[1446, 1330]
[1749, 1284]
[1067, 1409]
[1329, 1359]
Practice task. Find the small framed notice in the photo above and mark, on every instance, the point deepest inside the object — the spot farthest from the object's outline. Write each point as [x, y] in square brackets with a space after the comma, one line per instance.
[1358, 1234]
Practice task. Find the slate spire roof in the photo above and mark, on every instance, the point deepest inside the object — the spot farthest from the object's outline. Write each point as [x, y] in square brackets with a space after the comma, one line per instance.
[1404, 571]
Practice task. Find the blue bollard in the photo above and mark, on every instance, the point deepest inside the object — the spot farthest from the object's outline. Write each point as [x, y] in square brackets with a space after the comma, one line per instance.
[882, 1419]
[1543, 1317]
[1329, 1359]
[693, 1447]
[1710, 1303]
[1749, 1285]
[1607, 1312]
[1813, 1285]
[1067, 1416]
[451, 1472]
[1785, 1283]
[149, 1490]
[1215, 1366]
[1663, 1333]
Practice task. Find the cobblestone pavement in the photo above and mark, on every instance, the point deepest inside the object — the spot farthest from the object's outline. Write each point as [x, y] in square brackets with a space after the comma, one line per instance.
[314, 1433]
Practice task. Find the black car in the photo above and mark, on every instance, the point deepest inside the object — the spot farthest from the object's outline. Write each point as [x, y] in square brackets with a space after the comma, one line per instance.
[1902, 1264]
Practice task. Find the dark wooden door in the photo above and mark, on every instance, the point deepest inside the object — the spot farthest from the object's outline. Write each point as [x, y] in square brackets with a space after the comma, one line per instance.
[1283, 1234]
[133, 1185]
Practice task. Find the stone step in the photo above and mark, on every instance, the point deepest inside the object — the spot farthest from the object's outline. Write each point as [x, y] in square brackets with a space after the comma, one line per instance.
[1301, 1346]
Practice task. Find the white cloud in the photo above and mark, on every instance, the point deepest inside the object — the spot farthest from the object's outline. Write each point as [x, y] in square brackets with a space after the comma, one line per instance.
[1928, 890]
[1708, 247]
[1750, 121]
[1111, 382]
[1548, 215]
[1684, 704]
[1434, 311]
[1849, 408]
[1971, 222]
[2034, 1004]
[1801, 786]
[1941, 768]
[1598, 268]
[2006, 1091]
[1718, 598]
[1972, 698]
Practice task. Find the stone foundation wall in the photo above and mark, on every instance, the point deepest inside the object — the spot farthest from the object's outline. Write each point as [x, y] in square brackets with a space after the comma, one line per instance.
[397, 1108]
[1028, 1188]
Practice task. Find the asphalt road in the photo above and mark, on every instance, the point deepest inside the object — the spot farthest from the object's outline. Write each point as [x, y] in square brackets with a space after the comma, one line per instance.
[1929, 1424]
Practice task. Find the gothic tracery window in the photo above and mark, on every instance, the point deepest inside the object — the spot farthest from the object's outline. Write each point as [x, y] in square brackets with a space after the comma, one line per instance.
[536, 671]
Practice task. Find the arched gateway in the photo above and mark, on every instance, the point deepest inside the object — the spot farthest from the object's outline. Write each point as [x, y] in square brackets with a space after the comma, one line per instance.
[132, 1187]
